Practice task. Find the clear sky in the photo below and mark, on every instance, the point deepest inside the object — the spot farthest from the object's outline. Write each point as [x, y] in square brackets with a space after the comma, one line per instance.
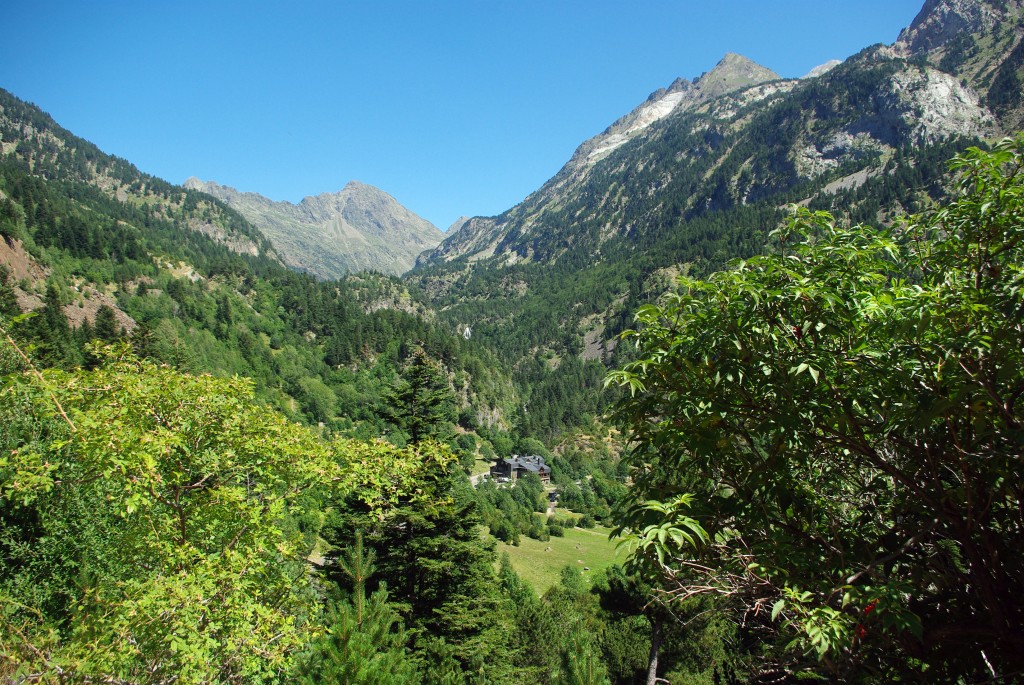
[459, 107]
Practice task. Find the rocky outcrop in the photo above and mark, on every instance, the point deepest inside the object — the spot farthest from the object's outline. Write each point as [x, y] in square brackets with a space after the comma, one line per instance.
[927, 105]
[359, 228]
[917, 105]
[942, 21]
[822, 69]
[734, 72]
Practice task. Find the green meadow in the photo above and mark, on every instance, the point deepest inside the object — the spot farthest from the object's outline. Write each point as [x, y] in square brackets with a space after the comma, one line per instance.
[540, 563]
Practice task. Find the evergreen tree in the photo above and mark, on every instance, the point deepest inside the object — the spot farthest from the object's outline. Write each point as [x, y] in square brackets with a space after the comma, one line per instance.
[56, 342]
[105, 327]
[535, 625]
[581, 663]
[8, 301]
[438, 570]
[421, 402]
[142, 339]
[364, 645]
[357, 565]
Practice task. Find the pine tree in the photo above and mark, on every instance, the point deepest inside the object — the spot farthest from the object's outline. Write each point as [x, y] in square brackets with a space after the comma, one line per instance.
[356, 564]
[8, 301]
[366, 650]
[439, 573]
[581, 662]
[365, 640]
[105, 327]
[142, 339]
[56, 341]
[421, 402]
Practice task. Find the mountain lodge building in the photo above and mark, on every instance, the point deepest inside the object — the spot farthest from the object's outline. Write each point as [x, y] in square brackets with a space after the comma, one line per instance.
[517, 466]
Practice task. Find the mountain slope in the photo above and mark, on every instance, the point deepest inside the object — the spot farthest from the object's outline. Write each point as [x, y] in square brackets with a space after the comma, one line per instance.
[359, 228]
[97, 248]
[32, 143]
[700, 172]
[978, 41]
[479, 237]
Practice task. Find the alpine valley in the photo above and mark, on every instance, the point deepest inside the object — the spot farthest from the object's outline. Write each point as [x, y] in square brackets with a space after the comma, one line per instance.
[734, 330]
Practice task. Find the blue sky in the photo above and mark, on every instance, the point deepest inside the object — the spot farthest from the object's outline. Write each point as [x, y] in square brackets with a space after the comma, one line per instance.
[453, 107]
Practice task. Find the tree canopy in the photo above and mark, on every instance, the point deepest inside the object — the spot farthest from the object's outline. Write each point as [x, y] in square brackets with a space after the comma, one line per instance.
[152, 523]
[844, 417]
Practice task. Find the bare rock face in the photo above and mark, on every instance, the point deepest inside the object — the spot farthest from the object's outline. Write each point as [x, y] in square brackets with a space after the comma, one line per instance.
[919, 106]
[941, 21]
[734, 72]
[457, 224]
[821, 69]
[930, 106]
[359, 228]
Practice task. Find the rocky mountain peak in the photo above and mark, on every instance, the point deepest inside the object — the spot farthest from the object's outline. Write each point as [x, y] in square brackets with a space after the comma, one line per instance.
[822, 69]
[941, 21]
[357, 228]
[732, 73]
[457, 224]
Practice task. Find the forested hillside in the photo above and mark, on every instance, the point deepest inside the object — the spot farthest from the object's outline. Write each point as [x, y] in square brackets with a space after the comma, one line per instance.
[192, 439]
[192, 283]
[767, 332]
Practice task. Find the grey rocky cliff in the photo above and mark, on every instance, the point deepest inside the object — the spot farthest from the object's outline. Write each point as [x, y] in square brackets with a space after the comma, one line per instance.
[732, 73]
[359, 228]
[915, 106]
[942, 21]
[927, 105]
[981, 43]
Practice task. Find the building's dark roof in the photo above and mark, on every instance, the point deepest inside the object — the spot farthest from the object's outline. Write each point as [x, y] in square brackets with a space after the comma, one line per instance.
[531, 462]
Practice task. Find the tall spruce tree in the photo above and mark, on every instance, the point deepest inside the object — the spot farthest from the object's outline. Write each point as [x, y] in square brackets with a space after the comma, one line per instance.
[438, 570]
[106, 328]
[51, 330]
[421, 403]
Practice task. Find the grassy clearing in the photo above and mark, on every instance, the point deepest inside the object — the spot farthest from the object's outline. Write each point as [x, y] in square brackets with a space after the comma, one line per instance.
[481, 466]
[539, 563]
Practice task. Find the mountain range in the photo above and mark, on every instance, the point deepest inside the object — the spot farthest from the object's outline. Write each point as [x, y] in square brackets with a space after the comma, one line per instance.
[933, 84]
[359, 228]
[701, 171]
[697, 174]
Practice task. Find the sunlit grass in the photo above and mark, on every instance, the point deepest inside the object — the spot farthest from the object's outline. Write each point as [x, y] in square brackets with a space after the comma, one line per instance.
[540, 563]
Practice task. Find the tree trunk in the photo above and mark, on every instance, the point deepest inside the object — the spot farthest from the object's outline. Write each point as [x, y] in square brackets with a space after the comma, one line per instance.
[652, 658]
